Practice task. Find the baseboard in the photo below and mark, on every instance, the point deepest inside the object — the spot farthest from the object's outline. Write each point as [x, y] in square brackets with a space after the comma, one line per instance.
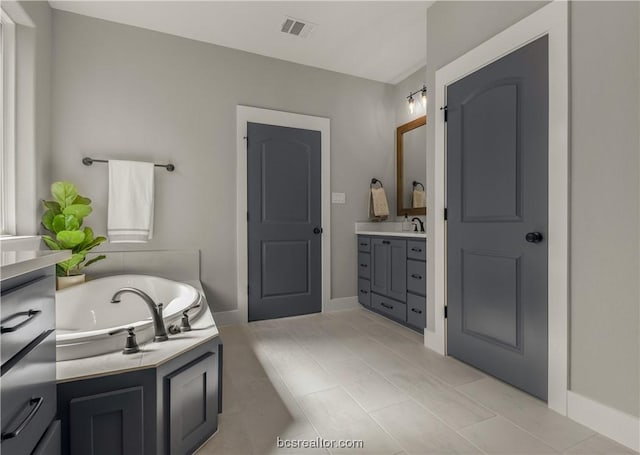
[341, 303]
[433, 341]
[614, 424]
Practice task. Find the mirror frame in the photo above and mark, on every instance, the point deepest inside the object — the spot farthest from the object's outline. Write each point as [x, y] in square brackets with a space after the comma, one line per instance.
[412, 125]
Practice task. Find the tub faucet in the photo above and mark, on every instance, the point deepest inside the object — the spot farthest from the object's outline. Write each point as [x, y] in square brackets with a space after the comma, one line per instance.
[413, 220]
[156, 311]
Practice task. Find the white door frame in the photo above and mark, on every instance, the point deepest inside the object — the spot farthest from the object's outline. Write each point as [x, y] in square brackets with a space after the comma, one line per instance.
[245, 114]
[551, 20]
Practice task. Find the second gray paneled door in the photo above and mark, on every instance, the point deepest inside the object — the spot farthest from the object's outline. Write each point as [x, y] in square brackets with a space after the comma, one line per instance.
[284, 230]
[497, 172]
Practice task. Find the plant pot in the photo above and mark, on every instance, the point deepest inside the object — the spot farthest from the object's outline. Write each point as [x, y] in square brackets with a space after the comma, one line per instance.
[63, 282]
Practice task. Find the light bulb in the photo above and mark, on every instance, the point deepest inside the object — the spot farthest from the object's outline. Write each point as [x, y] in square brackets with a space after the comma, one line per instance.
[411, 104]
[424, 97]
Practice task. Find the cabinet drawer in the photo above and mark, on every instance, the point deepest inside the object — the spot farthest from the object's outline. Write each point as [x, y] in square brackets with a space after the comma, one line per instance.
[364, 265]
[50, 444]
[29, 398]
[364, 292]
[416, 310]
[364, 244]
[417, 249]
[27, 311]
[396, 310]
[416, 277]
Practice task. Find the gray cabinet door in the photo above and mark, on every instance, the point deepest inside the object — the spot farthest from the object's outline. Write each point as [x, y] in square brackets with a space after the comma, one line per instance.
[497, 168]
[284, 226]
[379, 265]
[193, 404]
[108, 423]
[397, 270]
[389, 268]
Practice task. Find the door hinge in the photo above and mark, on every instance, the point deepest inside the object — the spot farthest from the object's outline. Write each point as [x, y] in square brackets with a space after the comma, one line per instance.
[446, 215]
[247, 217]
[248, 290]
[246, 138]
[445, 110]
[446, 313]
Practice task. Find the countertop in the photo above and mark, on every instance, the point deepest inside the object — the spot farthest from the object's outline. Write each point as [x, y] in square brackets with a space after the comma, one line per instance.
[151, 354]
[16, 263]
[386, 229]
[411, 234]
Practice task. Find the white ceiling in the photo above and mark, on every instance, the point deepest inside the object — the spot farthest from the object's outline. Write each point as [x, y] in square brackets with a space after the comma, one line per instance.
[383, 41]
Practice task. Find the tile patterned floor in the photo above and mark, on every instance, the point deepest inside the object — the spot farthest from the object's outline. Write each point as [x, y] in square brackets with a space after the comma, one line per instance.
[355, 375]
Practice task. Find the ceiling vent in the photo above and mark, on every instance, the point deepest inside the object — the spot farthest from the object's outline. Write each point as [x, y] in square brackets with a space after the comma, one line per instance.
[297, 27]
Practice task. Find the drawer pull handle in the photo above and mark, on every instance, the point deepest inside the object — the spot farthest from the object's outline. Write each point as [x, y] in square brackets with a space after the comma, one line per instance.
[388, 307]
[417, 250]
[34, 404]
[364, 265]
[363, 291]
[363, 244]
[31, 314]
[416, 311]
[417, 277]
[386, 242]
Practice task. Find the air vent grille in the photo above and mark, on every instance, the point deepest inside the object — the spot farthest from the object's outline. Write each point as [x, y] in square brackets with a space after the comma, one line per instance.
[297, 27]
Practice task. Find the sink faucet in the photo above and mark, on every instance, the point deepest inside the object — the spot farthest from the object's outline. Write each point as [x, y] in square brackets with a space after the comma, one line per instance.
[415, 218]
[156, 311]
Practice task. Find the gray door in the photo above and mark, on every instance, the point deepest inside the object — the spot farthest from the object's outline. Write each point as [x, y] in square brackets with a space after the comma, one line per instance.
[497, 135]
[284, 201]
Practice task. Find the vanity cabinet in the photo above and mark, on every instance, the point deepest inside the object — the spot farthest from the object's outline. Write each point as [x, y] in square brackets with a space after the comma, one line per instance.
[168, 409]
[392, 278]
[28, 357]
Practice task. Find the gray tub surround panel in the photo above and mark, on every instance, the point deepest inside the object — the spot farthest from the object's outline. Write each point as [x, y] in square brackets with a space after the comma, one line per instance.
[28, 354]
[392, 276]
[177, 265]
[164, 399]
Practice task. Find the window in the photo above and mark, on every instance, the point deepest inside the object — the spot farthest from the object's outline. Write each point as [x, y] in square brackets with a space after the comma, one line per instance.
[7, 126]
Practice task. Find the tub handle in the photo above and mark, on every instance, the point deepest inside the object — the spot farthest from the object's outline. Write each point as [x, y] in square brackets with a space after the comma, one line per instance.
[185, 326]
[130, 345]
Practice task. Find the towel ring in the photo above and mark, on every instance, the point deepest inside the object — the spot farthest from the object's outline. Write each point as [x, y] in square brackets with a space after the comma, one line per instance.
[374, 181]
[416, 183]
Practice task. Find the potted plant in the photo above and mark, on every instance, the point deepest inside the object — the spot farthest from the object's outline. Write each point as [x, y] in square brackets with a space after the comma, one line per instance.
[63, 218]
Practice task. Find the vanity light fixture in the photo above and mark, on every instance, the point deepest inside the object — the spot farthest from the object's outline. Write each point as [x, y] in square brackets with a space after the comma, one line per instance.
[423, 97]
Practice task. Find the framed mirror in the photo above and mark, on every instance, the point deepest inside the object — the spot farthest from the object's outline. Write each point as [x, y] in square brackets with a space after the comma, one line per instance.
[411, 167]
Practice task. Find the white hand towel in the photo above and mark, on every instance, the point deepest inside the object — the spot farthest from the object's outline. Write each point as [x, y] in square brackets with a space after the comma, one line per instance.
[419, 199]
[378, 206]
[130, 216]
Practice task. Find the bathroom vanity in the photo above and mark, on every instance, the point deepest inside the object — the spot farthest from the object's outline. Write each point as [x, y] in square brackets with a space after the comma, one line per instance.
[392, 276]
[28, 354]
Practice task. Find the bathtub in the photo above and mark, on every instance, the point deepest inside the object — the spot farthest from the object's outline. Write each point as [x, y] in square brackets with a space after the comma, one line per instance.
[85, 314]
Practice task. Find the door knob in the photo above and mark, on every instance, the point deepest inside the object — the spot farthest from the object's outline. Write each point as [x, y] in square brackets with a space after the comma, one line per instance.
[533, 237]
[317, 230]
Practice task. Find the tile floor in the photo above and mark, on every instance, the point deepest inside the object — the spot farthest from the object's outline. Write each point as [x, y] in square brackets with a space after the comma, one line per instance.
[355, 375]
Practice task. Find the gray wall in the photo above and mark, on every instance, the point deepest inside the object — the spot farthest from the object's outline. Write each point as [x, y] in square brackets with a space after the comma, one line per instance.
[605, 229]
[605, 171]
[128, 93]
[33, 110]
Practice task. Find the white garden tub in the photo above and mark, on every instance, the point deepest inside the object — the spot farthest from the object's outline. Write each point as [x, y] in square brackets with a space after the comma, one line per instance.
[85, 314]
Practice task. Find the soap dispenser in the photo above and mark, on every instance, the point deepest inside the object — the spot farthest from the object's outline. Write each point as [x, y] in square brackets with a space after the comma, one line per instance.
[406, 224]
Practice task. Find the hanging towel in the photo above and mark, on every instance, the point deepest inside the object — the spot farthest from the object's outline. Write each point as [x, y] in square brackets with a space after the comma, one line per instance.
[419, 198]
[130, 216]
[378, 206]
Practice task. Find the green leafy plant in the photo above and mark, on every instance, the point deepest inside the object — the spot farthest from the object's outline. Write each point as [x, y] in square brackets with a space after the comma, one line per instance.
[63, 218]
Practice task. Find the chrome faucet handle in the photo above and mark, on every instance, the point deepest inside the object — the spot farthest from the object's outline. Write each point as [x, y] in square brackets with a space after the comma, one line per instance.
[130, 345]
[185, 326]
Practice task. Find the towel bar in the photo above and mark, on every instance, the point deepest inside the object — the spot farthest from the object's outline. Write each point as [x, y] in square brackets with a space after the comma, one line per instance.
[416, 183]
[374, 181]
[89, 161]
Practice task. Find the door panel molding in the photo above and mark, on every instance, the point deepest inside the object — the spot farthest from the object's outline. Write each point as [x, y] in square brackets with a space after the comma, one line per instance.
[244, 115]
[551, 20]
